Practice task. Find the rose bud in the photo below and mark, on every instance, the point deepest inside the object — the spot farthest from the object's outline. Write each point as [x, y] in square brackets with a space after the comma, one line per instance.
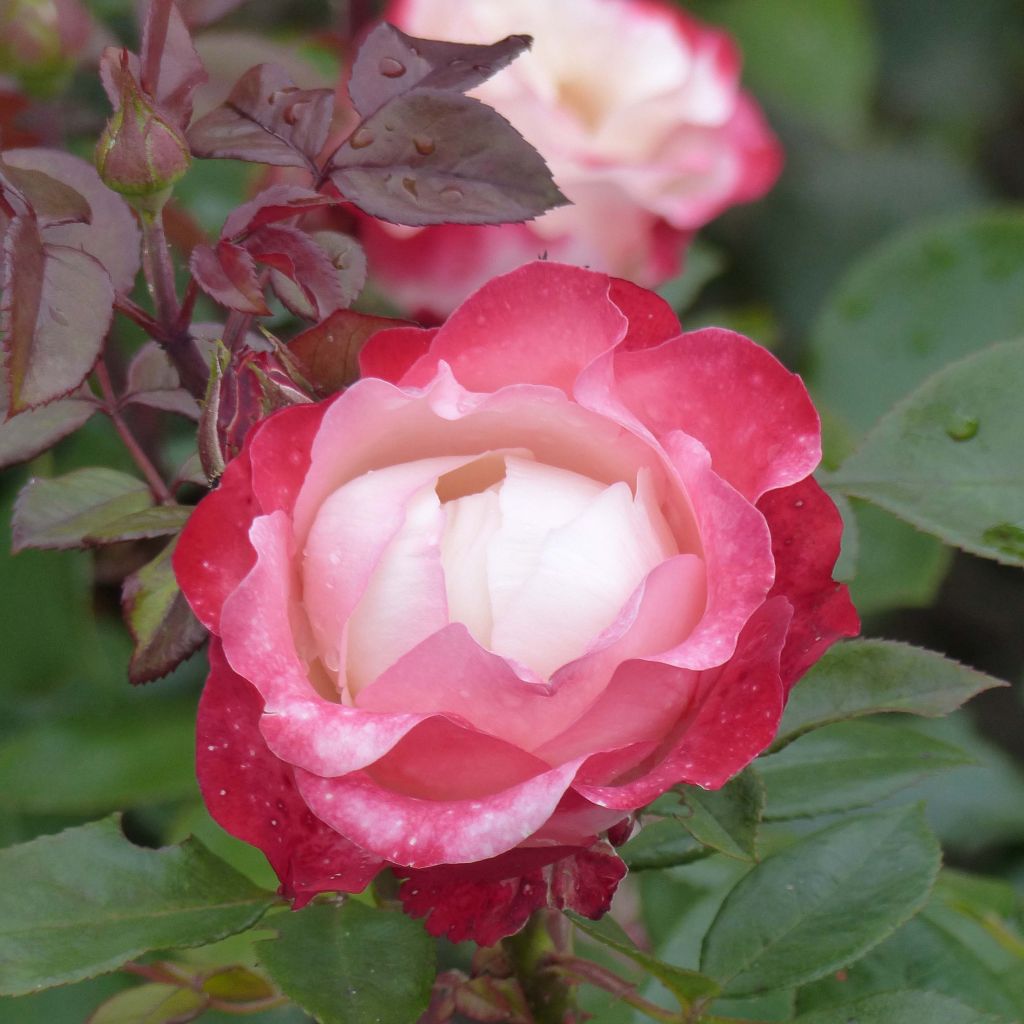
[533, 569]
[636, 107]
[141, 153]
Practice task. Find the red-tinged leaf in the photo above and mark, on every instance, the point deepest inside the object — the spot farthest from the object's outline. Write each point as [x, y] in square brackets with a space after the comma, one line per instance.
[158, 521]
[322, 287]
[493, 1001]
[153, 381]
[160, 621]
[49, 199]
[349, 261]
[112, 237]
[328, 353]
[266, 119]
[279, 202]
[115, 62]
[211, 458]
[57, 305]
[390, 63]
[434, 157]
[227, 274]
[63, 511]
[151, 1004]
[24, 436]
[167, 46]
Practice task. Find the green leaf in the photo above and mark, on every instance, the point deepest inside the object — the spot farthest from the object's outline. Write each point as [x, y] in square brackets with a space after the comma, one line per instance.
[158, 521]
[851, 764]
[914, 304]
[99, 762]
[864, 677]
[24, 436]
[925, 956]
[685, 985]
[352, 964]
[661, 844]
[948, 460]
[161, 622]
[814, 58]
[63, 511]
[151, 1004]
[897, 566]
[822, 902]
[86, 901]
[725, 819]
[899, 1008]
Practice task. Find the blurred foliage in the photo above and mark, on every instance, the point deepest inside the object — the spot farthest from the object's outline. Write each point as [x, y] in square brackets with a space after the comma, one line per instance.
[892, 245]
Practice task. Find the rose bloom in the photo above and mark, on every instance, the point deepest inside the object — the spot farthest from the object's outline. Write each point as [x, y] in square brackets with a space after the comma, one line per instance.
[534, 568]
[638, 111]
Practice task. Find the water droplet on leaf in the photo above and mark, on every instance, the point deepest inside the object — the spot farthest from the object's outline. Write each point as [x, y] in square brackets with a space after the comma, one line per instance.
[294, 112]
[361, 139]
[409, 184]
[451, 194]
[962, 427]
[391, 68]
[59, 316]
[424, 146]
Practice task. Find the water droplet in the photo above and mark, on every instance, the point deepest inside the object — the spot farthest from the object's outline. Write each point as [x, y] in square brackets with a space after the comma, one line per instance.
[361, 139]
[273, 97]
[484, 69]
[409, 184]
[799, 503]
[962, 427]
[59, 316]
[424, 146]
[457, 62]
[451, 194]
[294, 112]
[391, 68]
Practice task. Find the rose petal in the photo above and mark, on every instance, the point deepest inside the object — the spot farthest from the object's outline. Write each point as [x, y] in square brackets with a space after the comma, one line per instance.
[734, 718]
[563, 318]
[252, 794]
[213, 553]
[806, 528]
[280, 454]
[753, 415]
[390, 353]
[420, 833]
[488, 901]
[651, 319]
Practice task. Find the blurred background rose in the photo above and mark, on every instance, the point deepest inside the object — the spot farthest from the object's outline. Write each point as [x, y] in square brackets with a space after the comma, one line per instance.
[638, 110]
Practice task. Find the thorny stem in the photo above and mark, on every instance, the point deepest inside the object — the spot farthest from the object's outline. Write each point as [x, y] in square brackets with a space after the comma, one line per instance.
[112, 409]
[549, 997]
[188, 305]
[577, 971]
[137, 314]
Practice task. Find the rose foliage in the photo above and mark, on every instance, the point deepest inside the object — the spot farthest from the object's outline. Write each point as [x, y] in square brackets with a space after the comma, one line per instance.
[533, 569]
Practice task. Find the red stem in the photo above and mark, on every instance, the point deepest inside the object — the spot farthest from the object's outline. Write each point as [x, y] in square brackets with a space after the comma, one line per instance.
[156, 38]
[112, 409]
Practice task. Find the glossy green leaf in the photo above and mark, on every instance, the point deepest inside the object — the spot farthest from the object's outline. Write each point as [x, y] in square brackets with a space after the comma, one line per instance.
[61, 512]
[151, 1004]
[158, 521]
[95, 763]
[923, 955]
[851, 764]
[661, 844]
[948, 458]
[85, 901]
[930, 296]
[161, 622]
[822, 902]
[685, 985]
[899, 1008]
[864, 677]
[352, 964]
[725, 819]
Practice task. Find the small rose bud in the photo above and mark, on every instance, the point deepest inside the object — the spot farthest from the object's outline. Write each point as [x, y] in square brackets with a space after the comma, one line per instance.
[141, 154]
[41, 41]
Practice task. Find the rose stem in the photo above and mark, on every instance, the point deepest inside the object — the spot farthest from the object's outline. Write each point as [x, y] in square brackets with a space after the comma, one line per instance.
[584, 971]
[112, 409]
[530, 950]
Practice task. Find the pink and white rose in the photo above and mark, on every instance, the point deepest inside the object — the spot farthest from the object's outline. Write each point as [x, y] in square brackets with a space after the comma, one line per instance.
[638, 110]
[533, 569]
